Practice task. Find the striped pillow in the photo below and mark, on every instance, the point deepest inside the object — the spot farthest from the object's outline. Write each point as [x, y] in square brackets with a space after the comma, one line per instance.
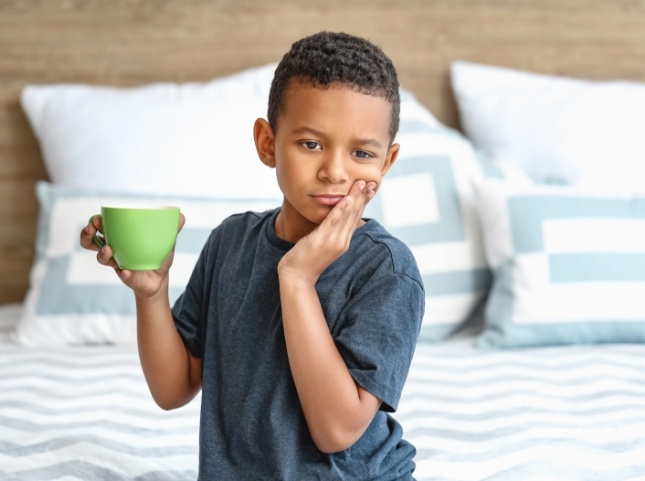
[74, 300]
[568, 266]
[427, 199]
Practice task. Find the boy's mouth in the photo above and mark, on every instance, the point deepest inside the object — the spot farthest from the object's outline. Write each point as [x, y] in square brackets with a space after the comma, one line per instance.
[328, 199]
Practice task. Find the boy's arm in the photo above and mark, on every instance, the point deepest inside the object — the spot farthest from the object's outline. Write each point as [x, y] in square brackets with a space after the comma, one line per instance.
[172, 373]
[337, 410]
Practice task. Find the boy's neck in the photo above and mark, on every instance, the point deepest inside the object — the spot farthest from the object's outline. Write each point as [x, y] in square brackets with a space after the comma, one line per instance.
[291, 231]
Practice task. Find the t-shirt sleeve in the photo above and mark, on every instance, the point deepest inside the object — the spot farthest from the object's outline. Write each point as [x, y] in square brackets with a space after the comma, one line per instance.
[188, 310]
[378, 335]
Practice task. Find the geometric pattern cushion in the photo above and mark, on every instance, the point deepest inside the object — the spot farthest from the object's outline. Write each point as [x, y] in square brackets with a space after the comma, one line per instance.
[568, 264]
[72, 299]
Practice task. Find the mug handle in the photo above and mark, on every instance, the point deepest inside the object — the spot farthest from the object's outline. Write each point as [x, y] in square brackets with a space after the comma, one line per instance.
[99, 241]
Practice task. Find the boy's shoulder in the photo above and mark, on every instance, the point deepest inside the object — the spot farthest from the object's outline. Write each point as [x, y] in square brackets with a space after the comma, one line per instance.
[244, 220]
[390, 249]
[378, 234]
[236, 230]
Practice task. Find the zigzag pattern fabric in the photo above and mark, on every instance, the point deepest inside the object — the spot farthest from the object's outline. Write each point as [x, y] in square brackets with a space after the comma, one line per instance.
[85, 413]
[551, 414]
[560, 413]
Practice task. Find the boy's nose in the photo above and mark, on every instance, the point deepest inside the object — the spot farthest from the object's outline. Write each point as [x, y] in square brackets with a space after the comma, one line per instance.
[333, 169]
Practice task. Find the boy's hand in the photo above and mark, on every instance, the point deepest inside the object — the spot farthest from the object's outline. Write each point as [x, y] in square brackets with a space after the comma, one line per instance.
[143, 283]
[315, 252]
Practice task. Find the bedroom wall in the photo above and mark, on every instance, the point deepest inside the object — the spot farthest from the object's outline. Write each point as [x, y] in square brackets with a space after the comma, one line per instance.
[128, 42]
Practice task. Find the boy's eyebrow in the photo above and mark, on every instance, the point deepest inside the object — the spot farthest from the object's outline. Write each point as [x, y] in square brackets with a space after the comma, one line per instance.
[318, 133]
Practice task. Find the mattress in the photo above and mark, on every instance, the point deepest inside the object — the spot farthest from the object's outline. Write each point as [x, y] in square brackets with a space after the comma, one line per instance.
[566, 413]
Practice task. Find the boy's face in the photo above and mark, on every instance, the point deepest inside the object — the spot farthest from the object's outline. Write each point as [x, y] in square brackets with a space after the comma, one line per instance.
[326, 140]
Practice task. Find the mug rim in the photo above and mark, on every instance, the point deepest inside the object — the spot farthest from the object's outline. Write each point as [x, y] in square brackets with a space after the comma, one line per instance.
[139, 207]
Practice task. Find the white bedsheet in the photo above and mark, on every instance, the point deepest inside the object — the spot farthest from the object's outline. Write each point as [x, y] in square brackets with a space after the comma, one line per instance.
[565, 413]
[562, 413]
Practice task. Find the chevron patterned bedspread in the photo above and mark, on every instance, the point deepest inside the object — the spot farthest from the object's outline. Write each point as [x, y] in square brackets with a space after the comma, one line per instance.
[549, 414]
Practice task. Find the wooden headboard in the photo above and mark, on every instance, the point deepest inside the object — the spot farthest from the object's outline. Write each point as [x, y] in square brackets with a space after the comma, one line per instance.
[130, 42]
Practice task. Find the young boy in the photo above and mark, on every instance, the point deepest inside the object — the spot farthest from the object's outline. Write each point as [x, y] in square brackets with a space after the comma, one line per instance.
[298, 324]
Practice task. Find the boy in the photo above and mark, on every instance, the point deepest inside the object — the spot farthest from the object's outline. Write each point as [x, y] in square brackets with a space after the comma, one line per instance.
[298, 324]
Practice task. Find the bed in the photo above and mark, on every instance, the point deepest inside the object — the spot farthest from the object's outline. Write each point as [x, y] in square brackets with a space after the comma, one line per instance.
[574, 413]
[521, 141]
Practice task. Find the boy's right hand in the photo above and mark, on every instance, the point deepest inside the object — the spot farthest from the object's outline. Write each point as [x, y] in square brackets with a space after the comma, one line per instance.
[145, 284]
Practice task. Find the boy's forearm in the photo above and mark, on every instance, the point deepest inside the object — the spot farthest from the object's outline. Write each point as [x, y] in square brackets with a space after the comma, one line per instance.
[166, 362]
[337, 410]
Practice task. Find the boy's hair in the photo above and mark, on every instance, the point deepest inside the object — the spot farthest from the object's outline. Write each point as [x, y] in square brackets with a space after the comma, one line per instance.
[328, 59]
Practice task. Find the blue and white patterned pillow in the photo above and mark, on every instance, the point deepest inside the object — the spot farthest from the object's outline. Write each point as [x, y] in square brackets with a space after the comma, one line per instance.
[74, 300]
[568, 266]
[427, 199]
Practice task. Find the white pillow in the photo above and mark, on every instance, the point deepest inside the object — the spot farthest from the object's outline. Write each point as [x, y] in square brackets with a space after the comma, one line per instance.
[568, 265]
[555, 128]
[166, 139]
[72, 299]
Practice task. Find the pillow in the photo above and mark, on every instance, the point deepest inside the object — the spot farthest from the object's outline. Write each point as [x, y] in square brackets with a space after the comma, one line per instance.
[202, 145]
[164, 139]
[556, 129]
[568, 265]
[72, 299]
[427, 199]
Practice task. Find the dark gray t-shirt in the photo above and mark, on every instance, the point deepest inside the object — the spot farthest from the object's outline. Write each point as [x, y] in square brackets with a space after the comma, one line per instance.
[252, 424]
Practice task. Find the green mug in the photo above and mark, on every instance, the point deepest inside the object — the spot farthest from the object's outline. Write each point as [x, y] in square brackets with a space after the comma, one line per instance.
[140, 237]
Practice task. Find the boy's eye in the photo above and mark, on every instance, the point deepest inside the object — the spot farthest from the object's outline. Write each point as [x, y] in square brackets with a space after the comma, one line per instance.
[361, 154]
[311, 145]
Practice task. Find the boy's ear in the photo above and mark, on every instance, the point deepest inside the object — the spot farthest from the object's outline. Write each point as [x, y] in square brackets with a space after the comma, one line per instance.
[264, 142]
[390, 158]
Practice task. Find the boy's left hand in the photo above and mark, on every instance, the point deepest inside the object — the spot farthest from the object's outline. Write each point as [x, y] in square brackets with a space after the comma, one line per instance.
[312, 254]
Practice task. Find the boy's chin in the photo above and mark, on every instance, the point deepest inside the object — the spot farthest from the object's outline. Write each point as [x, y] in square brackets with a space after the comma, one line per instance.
[317, 218]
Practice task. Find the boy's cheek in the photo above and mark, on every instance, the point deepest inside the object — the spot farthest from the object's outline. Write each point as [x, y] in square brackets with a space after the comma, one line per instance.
[373, 175]
[377, 179]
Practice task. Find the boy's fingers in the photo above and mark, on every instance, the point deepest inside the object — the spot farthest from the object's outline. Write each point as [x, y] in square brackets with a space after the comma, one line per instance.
[358, 206]
[365, 194]
[97, 222]
[125, 276]
[105, 258]
[90, 230]
[344, 218]
[87, 238]
[352, 209]
[365, 191]
[362, 192]
[369, 192]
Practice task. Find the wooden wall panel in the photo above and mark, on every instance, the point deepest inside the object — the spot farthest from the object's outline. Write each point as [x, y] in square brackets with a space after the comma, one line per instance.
[130, 42]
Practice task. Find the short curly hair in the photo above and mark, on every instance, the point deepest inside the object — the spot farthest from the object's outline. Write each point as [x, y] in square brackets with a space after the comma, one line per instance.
[329, 59]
